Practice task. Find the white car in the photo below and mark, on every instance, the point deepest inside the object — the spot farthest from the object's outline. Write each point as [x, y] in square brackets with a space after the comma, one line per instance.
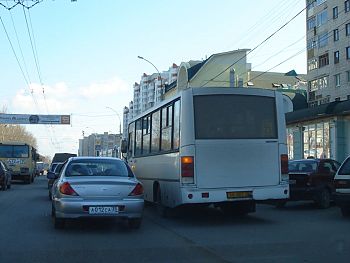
[342, 187]
[96, 187]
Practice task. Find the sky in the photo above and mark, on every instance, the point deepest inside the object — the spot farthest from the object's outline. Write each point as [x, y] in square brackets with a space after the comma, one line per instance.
[86, 53]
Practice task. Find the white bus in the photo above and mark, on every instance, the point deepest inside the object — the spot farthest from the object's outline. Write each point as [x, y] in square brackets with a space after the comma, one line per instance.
[221, 146]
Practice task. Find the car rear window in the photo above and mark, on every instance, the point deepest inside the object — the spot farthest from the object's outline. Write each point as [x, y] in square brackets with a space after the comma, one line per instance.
[345, 168]
[302, 166]
[98, 167]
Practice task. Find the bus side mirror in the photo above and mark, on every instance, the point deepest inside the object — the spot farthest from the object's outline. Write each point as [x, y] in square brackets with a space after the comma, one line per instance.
[123, 146]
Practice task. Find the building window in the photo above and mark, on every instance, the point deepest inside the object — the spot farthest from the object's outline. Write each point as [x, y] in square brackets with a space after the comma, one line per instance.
[320, 2]
[312, 64]
[337, 80]
[347, 29]
[323, 60]
[335, 12]
[348, 52]
[336, 34]
[322, 18]
[347, 6]
[336, 57]
[337, 99]
[348, 76]
[311, 43]
[311, 23]
[323, 40]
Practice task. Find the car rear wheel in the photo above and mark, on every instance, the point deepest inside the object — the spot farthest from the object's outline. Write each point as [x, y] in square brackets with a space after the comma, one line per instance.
[345, 211]
[57, 222]
[28, 179]
[324, 199]
[134, 223]
[4, 186]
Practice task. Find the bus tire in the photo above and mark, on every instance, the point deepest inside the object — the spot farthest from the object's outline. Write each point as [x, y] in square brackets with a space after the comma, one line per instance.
[162, 210]
[238, 208]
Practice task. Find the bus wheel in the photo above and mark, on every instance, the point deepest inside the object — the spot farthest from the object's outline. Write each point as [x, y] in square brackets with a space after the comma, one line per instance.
[162, 210]
[238, 208]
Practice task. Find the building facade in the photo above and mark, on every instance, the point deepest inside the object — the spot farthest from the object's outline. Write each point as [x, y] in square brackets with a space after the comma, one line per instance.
[328, 51]
[100, 145]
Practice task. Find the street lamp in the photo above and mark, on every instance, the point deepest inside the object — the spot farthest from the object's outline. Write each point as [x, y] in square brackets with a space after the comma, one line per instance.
[160, 77]
[120, 122]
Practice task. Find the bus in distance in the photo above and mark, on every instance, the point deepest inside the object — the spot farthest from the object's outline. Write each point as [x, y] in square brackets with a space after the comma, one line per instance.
[221, 146]
[21, 159]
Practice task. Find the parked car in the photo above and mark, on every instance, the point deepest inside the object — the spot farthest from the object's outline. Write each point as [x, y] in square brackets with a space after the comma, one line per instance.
[342, 188]
[97, 187]
[52, 177]
[5, 176]
[312, 179]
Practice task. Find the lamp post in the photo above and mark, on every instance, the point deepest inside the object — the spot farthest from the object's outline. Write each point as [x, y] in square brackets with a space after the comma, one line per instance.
[160, 77]
[120, 122]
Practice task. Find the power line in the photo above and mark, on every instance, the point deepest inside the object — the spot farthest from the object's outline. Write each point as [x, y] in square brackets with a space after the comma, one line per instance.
[264, 41]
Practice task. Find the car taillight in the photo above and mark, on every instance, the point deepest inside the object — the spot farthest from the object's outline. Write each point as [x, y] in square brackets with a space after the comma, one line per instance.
[284, 164]
[138, 190]
[187, 169]
[66, 189]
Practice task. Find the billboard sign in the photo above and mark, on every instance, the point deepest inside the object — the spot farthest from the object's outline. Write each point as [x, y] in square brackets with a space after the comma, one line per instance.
[33, 119]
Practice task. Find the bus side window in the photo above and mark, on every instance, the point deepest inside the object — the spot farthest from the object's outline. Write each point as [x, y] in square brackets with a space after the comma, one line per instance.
[155, 131]
[131, 139]
[138, 137]
[166, 128]
[176, 135]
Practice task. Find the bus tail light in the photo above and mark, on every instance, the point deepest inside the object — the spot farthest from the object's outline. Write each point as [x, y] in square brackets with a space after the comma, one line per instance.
[284, 167]
[187, 169]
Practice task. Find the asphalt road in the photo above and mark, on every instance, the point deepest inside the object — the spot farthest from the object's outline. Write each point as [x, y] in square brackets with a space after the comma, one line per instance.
[298, 233]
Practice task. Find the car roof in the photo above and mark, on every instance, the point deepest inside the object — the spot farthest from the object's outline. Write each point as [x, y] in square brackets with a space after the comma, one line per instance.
[93, 158]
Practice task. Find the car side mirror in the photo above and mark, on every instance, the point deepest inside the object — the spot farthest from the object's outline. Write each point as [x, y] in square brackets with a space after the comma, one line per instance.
[51, 175]
[123, 146]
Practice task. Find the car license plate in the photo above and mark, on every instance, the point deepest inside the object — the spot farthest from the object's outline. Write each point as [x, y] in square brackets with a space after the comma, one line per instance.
[292, 181]
[103, 210]
[233, 195]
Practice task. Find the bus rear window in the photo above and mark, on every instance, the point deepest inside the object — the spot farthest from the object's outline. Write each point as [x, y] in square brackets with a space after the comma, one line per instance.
[235, 117]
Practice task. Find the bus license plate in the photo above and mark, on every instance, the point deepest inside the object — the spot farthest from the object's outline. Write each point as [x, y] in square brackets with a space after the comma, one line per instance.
[103, 210]
[233, 195]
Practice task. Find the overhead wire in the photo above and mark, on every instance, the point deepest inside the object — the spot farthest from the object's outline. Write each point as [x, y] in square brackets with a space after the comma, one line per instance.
[256, 47]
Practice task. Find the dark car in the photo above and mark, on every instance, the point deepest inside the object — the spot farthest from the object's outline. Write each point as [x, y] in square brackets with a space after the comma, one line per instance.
[312, 179]
[5, 176]
[342, 188]
[51, 181]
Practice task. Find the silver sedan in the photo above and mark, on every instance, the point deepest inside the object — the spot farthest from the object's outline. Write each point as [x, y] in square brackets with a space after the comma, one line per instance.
[97, 187]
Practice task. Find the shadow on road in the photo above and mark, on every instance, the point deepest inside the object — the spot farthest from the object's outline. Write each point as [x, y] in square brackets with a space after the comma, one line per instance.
[209, 216]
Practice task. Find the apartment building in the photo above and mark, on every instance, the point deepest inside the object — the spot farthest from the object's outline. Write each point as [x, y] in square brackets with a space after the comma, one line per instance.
[328, 51]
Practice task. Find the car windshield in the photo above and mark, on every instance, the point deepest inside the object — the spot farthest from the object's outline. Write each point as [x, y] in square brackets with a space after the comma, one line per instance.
[302, 166]
[98, 167]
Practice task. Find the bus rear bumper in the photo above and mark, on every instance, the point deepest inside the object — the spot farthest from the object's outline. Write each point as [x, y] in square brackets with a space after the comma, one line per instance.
[264, 193]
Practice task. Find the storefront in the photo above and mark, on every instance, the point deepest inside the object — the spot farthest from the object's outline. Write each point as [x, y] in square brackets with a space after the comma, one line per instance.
[320, 132]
